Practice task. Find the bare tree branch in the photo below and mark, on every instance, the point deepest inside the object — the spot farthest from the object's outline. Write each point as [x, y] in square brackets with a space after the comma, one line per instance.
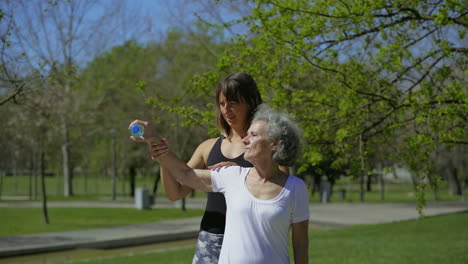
[417, 62]
[13, 95]
[410, 89]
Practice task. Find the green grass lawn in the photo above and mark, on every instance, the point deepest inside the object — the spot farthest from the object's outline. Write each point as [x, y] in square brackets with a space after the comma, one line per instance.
[18, 221]
[442, 239]
[432, 240]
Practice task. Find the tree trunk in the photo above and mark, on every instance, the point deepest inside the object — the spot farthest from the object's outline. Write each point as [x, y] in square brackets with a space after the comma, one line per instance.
[369, 183]
[58, 187]
[132, 176]
[381, 186]
[463, 181]
[67, 177]
[183, 206]
[31, 171]
[34, 175]
[363, 169]
[155, 188]
[43, 185]
[395, 173]
[332, 180]
[114, 168]
[156, 184]
[316, 181]
[414, 180]
[15, 177]
[434, 186]
[1, 183]
[453, 181]
[361, 184]
[380, 180]
[123, 181]
[85, 178]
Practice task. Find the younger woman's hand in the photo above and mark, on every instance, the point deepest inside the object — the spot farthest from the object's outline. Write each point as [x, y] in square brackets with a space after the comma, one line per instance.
[222, 164]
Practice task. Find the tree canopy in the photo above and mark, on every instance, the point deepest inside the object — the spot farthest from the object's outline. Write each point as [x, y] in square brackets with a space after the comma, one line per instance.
[363, 78]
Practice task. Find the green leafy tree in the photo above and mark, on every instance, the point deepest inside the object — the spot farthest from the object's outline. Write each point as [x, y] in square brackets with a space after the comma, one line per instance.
[108, 83]
[357, 74]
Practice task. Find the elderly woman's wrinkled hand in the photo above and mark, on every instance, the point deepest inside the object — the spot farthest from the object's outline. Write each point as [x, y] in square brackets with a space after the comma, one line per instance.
[148, 135]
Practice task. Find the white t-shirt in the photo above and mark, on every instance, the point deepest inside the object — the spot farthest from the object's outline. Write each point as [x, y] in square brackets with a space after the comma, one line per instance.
[257, 230]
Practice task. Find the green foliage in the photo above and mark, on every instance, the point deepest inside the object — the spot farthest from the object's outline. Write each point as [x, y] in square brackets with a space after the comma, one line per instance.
[141, 86]
[187, 61]
[352, 72]
[154, 82]
[112, 102]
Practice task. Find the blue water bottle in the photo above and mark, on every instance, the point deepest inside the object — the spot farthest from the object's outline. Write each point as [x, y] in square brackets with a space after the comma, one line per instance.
[137, 130]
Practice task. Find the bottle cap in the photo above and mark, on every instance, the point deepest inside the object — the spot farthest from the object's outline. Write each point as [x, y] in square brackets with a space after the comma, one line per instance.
[136, 130]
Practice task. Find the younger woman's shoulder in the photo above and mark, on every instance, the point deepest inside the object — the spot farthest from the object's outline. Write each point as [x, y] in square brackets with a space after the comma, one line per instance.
[205, 147]
[208, 144]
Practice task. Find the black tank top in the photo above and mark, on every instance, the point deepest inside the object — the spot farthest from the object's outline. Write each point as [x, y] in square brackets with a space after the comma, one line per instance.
[214, 218]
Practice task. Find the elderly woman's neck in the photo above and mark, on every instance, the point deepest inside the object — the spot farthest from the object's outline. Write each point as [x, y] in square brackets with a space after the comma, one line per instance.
[268, 170]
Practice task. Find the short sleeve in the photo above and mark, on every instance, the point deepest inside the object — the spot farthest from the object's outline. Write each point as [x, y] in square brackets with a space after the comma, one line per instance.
[301, 203]
[225, 177]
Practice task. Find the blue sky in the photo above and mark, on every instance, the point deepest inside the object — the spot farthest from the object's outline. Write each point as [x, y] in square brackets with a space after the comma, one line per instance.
[160, 15]
[37, 32]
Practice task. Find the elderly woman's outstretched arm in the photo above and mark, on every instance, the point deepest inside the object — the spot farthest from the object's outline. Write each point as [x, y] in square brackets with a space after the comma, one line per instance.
[194, 178]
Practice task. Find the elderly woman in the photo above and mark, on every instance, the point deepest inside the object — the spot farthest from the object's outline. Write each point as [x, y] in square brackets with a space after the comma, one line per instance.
[263, 202]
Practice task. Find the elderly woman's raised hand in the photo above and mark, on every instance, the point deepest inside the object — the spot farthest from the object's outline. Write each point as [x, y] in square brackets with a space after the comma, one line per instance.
[148, 135]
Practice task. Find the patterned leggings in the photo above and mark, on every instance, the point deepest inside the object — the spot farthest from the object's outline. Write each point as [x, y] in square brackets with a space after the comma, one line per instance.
[208, 248]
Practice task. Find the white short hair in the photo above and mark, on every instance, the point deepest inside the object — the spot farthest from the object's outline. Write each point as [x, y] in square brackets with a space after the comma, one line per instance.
[280, 127]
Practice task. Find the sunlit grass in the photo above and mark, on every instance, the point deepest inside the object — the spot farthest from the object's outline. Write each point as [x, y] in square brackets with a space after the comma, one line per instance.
[19, 221]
